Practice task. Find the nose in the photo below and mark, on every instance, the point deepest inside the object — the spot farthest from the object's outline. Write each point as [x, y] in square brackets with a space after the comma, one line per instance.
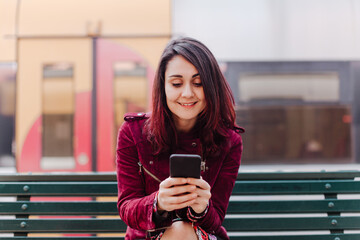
[187, 91]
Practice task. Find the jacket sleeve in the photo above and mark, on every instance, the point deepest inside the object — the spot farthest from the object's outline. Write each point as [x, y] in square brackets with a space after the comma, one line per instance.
[222, 189]
[135, 208]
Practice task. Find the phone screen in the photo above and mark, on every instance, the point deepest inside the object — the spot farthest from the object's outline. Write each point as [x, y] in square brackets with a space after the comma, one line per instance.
[185, 165]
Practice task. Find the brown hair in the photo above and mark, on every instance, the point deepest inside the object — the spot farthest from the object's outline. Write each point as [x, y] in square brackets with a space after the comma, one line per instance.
[219, 113]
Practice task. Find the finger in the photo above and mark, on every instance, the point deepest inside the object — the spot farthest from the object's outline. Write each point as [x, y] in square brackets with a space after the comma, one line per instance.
[180, 190]
[198, 182]
[168, 193]
[177, 191]
[180, 205]
[182, 198]
[169, 182]
[203, 193]
[177, 202]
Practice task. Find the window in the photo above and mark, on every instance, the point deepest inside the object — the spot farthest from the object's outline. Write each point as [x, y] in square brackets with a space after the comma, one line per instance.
[296, 134]
[130, 90]
[299, 87]
[292, 117]
[7, 110]
[58, 117]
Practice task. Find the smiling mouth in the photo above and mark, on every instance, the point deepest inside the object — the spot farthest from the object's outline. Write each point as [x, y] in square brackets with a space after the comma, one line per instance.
[187, 104]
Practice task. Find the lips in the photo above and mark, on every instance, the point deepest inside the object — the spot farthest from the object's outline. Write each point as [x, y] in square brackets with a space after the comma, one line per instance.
[187, 104]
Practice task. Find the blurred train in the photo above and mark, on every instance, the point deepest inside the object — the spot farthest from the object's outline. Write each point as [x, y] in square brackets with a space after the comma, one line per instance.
[79, 95]
[77, 75]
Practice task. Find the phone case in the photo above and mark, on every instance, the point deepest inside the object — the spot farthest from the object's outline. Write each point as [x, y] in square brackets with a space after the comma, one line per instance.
[185, 165]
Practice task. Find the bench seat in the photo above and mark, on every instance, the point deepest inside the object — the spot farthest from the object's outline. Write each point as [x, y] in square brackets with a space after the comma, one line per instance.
[263, 206]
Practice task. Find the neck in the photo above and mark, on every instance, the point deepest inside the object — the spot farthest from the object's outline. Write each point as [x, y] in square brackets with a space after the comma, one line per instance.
[184, 125]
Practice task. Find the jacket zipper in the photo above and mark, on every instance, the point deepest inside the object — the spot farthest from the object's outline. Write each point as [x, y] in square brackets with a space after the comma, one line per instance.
[148, 172]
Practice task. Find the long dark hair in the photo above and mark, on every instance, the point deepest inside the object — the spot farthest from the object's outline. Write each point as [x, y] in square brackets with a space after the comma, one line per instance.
[219, 113]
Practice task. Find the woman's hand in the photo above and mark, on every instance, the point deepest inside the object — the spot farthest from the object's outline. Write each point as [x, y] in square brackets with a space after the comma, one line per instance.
[175, 193]
[203, 194]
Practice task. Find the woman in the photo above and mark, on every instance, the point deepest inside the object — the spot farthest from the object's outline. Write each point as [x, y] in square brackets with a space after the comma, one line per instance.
[193, 112]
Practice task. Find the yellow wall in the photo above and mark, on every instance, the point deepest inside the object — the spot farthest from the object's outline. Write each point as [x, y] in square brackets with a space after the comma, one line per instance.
[149, 48]
[7, 30]
[53, 18]
[82, 17]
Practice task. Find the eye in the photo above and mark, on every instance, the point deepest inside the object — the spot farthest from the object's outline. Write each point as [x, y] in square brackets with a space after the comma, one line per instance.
[176, 85]
[197, 82]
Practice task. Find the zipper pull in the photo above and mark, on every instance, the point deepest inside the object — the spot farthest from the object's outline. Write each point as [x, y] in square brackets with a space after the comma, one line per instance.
[140, 166]
[202, 166]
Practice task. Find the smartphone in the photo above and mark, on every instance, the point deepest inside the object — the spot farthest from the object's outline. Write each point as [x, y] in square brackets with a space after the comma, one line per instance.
[185, 165]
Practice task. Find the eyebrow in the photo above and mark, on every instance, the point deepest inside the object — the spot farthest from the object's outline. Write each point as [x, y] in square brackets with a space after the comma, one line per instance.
[177, 75]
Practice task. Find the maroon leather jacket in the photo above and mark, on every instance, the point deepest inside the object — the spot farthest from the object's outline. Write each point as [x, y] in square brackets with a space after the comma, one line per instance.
[137, 189]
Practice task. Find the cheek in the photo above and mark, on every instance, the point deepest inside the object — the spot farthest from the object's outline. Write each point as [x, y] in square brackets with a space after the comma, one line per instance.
[200, 94]
[203, 100]
[169, 99]
[166, 92]
[170, 94]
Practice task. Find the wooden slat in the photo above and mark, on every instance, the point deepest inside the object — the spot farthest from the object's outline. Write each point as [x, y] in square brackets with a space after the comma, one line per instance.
[92, 225]
[55, 177]
[58, 208]
[291, 223]
[321, 175]
[58, 189]
[231, 224]
[301, 237]
[241, 188]
[296, 187]
[235, 207]
[62, 238]
[303, 206]
[284, 237]
[20, 177]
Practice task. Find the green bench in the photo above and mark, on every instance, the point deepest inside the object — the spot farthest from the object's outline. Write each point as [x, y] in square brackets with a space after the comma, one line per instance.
[263, 206]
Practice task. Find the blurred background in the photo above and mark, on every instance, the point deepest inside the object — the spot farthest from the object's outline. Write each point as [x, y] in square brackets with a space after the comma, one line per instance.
[70, 69]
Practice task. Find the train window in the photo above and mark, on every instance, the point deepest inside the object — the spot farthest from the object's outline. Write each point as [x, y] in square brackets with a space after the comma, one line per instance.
[7, 111]
[299, 87]
[7, 98]
[130, 89]
[292, 119]
[296, 134]
[58, 117]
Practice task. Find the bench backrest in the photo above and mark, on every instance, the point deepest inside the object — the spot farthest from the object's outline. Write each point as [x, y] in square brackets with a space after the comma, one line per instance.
[263, 206]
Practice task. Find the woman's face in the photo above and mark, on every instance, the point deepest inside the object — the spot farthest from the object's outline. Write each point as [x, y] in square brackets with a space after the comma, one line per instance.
[184, 92]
